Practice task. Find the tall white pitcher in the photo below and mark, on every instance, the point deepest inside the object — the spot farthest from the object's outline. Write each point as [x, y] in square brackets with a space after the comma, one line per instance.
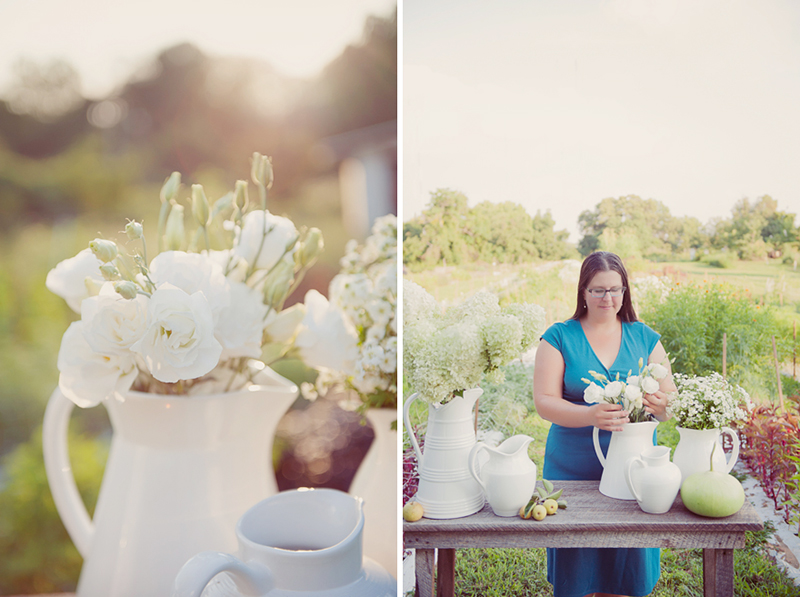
[625, 444]
[446, 487]
[180, 472]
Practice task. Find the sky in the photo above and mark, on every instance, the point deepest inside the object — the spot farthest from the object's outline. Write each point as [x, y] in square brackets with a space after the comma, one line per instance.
[558, 105]
[108, 40]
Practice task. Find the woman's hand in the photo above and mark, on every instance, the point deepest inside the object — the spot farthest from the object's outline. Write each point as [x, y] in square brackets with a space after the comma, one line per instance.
[656, 404]
[609, 417]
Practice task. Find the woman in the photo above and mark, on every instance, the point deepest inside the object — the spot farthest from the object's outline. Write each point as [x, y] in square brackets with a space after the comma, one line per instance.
[603, 335]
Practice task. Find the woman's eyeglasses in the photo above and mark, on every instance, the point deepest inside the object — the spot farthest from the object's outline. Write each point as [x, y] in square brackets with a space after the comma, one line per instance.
[600, 293]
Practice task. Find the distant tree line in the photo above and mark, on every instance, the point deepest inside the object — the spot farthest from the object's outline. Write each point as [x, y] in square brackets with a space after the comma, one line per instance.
[448, 232]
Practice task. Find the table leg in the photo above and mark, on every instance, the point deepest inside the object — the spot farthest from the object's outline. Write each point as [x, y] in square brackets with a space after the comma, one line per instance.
[718, 572]
[446, 573]
[423, 570]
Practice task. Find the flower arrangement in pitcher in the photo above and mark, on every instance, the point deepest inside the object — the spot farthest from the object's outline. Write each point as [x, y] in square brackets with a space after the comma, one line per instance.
[708, 402]
[352, 339]
[628, 393]
[448, 351]
[190, 319]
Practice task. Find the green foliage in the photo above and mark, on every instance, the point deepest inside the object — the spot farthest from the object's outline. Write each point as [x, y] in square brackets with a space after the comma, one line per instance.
[720, 260]
[450, 233]
[37, 554]
[692, 321]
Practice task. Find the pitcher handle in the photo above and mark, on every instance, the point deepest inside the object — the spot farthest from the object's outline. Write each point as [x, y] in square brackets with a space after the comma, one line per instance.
[253, 579]
[69, 503]
[628, 479]
[735, 452]
[472, 461]
[597, 449]
[406, 405]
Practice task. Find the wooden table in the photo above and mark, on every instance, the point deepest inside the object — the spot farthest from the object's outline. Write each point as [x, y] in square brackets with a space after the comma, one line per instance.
[591, 520]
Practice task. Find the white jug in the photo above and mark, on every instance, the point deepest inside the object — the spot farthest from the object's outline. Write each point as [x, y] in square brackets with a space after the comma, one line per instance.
[446, 487]
[298, 543]
[181, 471]
[653, 480]
[508, 478]
[625, 444]
[693, 452]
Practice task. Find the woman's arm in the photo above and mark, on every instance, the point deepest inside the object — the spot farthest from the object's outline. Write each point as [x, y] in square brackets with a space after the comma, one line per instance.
[656, 404]
[548, 383]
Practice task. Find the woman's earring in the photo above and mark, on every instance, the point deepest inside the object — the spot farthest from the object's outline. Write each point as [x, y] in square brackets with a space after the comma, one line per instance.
[585, 306]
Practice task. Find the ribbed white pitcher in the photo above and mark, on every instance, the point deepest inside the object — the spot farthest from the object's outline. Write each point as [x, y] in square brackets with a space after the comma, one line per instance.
[446, 487]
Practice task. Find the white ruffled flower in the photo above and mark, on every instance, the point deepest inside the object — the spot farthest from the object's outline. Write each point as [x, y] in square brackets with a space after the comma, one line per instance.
[325, 338]
[649, 385]
[593, 394]
[613, 389]
[112, 324]
[633, 394]
[280, 238]
[68, 278]
[193, 272]
[179, 341]
[657, 370]
[241, 324]
[88, 377]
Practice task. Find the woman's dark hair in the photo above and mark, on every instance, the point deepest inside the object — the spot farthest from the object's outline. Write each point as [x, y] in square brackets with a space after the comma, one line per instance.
[603, 261]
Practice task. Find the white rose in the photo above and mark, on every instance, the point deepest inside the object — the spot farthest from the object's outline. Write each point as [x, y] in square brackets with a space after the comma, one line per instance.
[325, 338]
[240, 325]
[593, 393]
[68, 278]
[88, 377]
[179, 341]
[650, 385]
[113, 324]
[193, 272]
[613, 389]
[280, 234]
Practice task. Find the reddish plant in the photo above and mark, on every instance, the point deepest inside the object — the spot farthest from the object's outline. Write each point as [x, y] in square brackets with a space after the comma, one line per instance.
[410, 468]
[770, 447]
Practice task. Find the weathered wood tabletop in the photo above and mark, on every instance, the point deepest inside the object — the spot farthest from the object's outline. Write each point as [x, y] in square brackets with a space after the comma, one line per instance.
[590, 520]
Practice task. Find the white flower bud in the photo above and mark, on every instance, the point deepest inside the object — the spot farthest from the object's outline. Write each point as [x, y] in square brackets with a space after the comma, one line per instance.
[170, 187]
[261, 170]
[110, 272]
[240, 195]
[175, 231]
[104, 250]
[126, 289]
[134, 230]
[312, 246]
[200, 209]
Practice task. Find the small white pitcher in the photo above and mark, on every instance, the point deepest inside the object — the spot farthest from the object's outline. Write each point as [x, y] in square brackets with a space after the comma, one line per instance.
[303, 542]
[508, 477]
[653, 480]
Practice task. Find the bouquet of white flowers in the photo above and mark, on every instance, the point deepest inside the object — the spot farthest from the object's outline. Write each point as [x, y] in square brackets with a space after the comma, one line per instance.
[446, 352]
[198, 311]
[352, 338]
[628, 393]
[709, 402]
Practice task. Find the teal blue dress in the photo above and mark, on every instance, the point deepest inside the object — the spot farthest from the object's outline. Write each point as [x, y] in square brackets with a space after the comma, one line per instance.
[569, 455]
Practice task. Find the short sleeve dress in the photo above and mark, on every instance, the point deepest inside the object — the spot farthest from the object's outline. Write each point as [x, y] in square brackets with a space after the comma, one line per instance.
[569, 455]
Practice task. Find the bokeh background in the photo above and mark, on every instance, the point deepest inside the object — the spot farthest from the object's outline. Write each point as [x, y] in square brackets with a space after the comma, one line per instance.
[99, 103]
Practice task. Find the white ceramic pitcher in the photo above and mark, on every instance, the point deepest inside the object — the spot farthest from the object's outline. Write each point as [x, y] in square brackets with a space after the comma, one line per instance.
[508, 478]
[653, 480]
[693, 452]
[181, 471]
[298, 543]
[625, 444]
[446, 487]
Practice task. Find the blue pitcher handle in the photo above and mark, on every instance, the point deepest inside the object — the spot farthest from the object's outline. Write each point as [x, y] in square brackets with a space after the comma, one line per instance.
[406, 405]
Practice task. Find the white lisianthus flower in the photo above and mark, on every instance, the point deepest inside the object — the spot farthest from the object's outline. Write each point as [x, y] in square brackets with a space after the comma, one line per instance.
[633, 380]
[633, 394]
[280, 236]
[325, 338]
[283, 327]
[179, 341]
[593, 393]
[613, 389]
[649, 385]
[233, 267]
[240, 324]
[88, 377]
[193, 272]
[657, 370]
[113, 324]
[68, 278]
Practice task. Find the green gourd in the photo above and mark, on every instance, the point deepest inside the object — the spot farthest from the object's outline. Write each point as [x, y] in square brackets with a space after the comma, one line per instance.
[712, 494]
